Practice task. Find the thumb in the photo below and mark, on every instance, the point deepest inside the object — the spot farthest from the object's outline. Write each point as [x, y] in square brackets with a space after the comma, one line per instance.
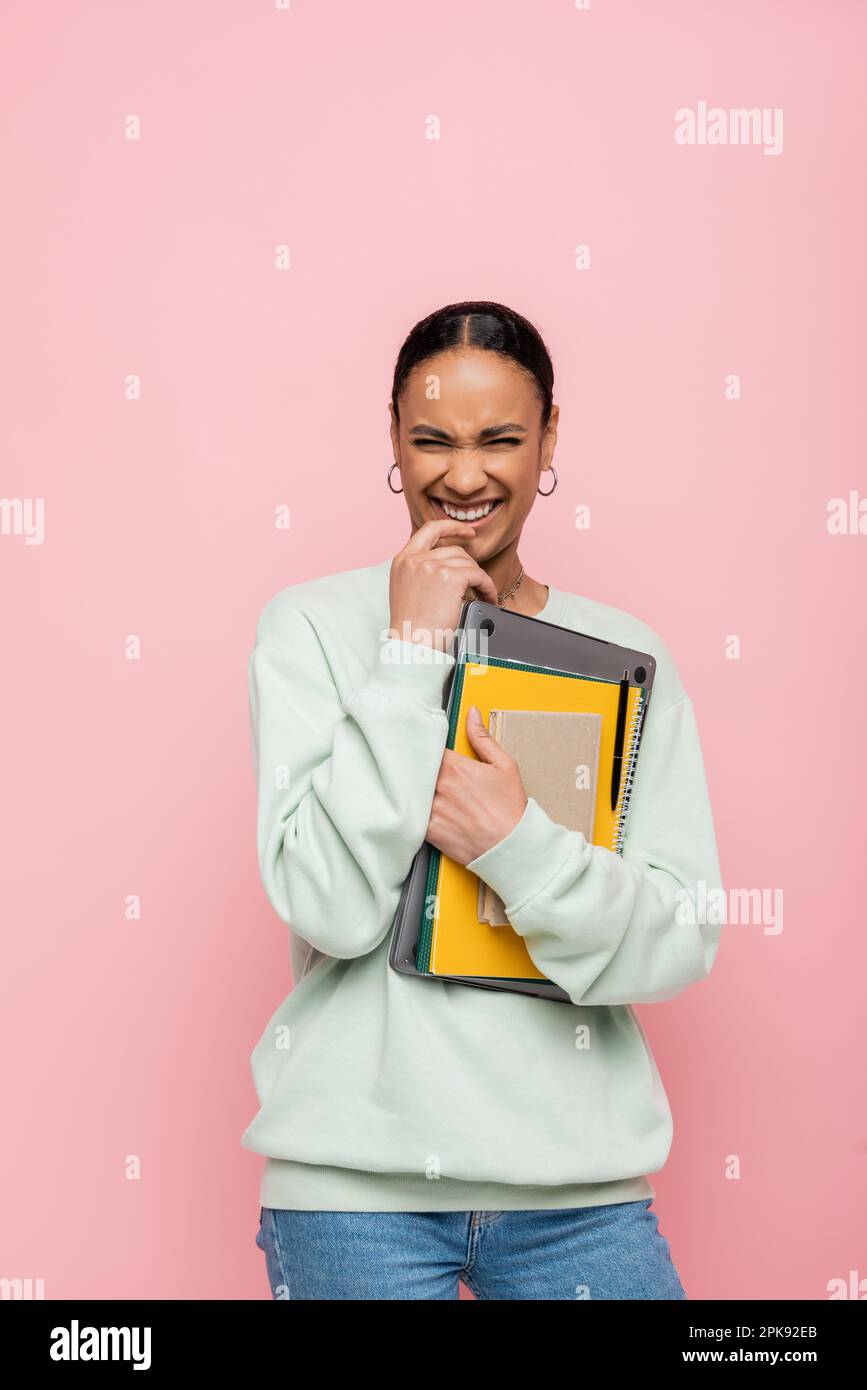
[482, 741]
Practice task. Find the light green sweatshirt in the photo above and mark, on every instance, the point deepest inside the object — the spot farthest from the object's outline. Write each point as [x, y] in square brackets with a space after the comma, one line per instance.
[384, 1092]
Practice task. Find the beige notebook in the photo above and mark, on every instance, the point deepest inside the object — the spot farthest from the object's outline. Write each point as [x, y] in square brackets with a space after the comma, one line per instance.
[557, 752]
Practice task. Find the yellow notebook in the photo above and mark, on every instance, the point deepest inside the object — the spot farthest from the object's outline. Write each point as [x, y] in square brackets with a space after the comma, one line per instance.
[453, 941]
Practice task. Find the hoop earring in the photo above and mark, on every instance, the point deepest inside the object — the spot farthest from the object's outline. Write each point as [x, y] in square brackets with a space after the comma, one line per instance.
[550, 490]
[388, 479]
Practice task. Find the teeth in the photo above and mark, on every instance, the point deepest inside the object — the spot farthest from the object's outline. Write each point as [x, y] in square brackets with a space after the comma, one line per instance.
[474, 514]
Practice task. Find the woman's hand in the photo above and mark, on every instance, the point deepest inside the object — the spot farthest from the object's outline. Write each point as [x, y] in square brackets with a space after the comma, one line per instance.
[477, 801]
[429, 582]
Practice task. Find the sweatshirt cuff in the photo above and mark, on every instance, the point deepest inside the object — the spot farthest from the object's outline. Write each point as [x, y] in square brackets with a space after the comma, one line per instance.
[524, 861]
[411, 667]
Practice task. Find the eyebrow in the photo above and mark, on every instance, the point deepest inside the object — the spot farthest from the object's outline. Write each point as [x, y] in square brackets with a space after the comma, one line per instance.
[491, 432]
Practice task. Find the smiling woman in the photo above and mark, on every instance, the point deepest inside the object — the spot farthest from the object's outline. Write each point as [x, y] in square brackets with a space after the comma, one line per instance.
[417, 1132]
[473, 428]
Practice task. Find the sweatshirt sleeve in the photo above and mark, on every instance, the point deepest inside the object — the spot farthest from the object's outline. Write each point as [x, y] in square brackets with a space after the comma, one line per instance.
[621, 928]
[344, 790]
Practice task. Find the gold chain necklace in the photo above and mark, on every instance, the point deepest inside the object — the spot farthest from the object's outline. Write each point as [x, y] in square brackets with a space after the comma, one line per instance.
[501, 598]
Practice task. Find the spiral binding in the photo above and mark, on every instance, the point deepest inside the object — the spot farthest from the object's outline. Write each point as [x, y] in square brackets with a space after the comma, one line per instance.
[627, 783]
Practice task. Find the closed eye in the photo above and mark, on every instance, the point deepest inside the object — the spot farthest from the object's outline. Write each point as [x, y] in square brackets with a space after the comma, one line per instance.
[441, 443]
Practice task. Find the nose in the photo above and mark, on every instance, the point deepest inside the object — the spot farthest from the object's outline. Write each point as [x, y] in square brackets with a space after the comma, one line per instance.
[466, 474]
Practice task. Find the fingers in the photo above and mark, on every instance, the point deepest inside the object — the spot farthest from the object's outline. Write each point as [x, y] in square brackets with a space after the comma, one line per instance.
[452, 557]
[485, 584]
[426, 541]
[448, 553]
[427, 535]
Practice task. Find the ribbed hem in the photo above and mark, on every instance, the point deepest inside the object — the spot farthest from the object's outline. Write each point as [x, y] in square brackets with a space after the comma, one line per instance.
[309, 1187]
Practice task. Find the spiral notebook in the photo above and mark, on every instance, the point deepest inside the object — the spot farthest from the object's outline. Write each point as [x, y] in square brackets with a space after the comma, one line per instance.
[454, 940]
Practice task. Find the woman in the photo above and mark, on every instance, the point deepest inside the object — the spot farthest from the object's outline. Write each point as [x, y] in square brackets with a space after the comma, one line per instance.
[418, 1132]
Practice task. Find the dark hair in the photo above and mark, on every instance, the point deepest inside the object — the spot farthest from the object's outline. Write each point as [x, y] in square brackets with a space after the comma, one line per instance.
[478, 323]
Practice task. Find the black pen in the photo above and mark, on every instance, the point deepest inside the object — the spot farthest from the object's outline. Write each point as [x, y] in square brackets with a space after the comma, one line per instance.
[618, 740]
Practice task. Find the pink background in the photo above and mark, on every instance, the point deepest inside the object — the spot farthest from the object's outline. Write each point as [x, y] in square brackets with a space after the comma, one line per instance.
[261, 387]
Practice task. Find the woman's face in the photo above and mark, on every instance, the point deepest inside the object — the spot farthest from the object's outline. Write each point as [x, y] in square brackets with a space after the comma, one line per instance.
[470, 433]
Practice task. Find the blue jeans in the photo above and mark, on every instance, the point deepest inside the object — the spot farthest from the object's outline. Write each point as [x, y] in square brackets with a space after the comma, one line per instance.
[612, 1251]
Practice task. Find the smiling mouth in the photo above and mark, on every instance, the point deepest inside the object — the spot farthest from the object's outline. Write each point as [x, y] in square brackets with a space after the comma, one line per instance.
[479, 514]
